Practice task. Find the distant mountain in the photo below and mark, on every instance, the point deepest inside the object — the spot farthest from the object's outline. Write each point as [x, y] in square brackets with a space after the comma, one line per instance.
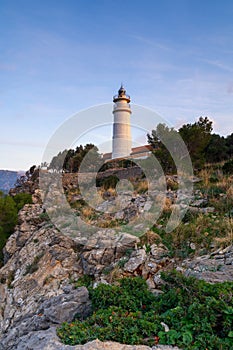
[8, 179]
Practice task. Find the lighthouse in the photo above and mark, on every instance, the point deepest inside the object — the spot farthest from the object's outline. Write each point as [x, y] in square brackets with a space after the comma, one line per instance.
[121, 141]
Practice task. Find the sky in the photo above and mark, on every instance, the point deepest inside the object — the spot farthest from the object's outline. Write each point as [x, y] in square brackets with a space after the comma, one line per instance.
[61, 57]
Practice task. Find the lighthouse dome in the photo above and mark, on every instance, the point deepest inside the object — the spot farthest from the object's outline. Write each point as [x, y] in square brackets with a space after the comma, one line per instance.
[121, 91]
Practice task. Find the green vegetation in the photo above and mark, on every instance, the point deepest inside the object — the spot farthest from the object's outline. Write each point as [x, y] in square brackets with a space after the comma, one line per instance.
[202, 232]
[21, 199]
[9, 207]
[85, 280]
[197, 315]
[70, 160]
[197, 137]
[228, 167]
[202, 145]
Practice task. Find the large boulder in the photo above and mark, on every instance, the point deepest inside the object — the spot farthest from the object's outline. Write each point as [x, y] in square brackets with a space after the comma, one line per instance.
[53, 311]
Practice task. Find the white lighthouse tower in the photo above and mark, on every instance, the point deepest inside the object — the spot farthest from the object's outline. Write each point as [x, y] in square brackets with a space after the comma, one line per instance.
[121, 141]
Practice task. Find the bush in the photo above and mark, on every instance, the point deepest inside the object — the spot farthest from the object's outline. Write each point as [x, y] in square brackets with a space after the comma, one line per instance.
[9, 207]
[228, 167]
[199, 315]
[21, 199]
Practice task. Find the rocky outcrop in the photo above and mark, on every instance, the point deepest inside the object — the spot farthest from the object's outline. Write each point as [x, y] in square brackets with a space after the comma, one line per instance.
[37, 288]
[216, 267]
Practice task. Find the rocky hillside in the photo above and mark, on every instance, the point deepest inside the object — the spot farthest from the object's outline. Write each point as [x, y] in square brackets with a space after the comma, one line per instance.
[37, 280]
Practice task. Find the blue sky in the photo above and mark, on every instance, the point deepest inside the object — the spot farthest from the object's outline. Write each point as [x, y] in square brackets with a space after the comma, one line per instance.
[59, 57]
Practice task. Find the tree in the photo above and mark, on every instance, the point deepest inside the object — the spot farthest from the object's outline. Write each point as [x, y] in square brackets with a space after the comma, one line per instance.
[217, 150]
[70, 160]
[229, 144]
[164, 156]
[27, 183]
[8, 220]
[8, 213]
[197, 137]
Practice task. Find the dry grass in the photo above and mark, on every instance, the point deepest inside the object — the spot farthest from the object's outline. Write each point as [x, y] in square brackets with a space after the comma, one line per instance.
[150, 237]
[114, 274]
[228, 239]
[205, 175]
[142, 186]
[230, 192]
[110, 192]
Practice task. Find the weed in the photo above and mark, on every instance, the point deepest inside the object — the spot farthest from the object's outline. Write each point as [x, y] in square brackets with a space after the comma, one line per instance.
[33, 267]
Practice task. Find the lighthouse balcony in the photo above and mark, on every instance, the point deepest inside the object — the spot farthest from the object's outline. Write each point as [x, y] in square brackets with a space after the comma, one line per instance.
[121, 98]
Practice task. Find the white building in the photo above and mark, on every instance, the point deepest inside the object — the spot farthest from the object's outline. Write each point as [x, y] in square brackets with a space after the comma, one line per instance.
[121, 141]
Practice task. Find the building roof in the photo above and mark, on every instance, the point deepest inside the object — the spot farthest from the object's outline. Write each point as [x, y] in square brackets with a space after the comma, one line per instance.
[135, 151]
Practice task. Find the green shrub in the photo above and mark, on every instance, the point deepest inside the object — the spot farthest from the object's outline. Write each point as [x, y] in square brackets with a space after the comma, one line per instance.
[228, 167]
[199, 315]
[85, 280]
[21, 199]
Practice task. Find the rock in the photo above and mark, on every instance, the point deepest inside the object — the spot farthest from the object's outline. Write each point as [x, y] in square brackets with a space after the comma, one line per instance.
[138, 257]
[192, 246]
[148, 205]
[207, 210]
[158, 251]
[41, 340]
[48, 340]
[157, 279]
[36, 197]
[125, 242]
[51, 312]
[166, 328]
[213, 268]
[199, 202]
[64, 307]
